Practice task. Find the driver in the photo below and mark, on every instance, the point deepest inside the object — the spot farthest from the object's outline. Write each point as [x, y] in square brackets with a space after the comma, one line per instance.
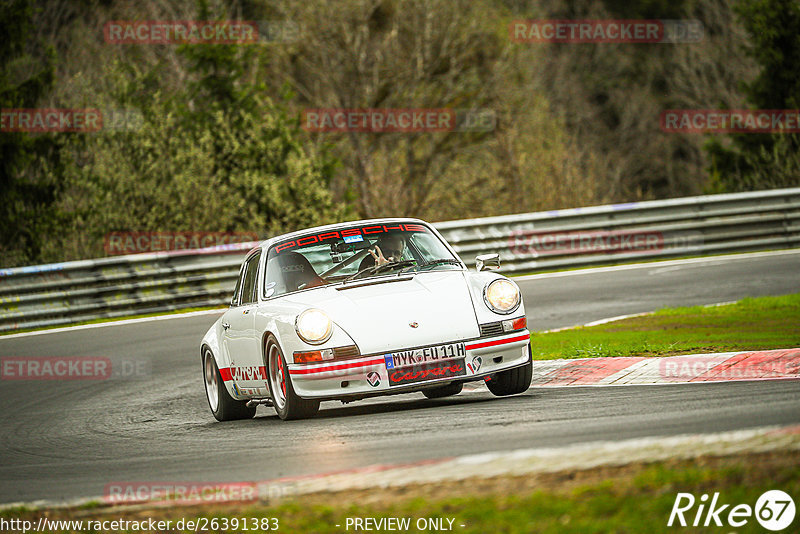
[388, 248]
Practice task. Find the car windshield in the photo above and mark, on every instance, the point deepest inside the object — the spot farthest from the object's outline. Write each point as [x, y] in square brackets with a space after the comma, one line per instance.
[351, 253]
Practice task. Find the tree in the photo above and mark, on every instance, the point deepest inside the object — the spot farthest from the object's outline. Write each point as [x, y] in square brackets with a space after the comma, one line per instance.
[26, 76]
[214, 154]
[761, 161]
[388, 54]
[168, 177]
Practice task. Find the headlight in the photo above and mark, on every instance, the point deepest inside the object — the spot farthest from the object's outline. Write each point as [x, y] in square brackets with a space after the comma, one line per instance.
[502, 296]
[313, 326]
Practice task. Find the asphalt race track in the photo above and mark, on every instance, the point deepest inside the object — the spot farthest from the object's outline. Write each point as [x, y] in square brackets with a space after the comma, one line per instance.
[67, 440]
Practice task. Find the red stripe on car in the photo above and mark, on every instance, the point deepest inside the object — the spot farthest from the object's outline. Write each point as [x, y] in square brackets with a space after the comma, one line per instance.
[497, 342]
[227, 373]
[338, 367]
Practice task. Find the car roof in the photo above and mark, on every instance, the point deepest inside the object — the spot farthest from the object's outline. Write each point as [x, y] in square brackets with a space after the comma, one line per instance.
[269, 242]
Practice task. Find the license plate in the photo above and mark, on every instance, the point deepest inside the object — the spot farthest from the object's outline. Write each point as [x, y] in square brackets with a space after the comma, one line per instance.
[424, 372]
[405, 358]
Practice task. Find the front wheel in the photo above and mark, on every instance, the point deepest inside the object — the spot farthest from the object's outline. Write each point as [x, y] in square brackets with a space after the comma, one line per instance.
[511, 382]
[223, 406]
[287, 404]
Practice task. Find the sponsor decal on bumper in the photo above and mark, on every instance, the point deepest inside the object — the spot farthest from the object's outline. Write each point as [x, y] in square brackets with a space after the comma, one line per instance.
[373, 379]
[475, 366]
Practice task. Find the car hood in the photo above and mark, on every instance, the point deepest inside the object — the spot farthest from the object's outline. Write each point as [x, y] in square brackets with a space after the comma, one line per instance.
[378, 316]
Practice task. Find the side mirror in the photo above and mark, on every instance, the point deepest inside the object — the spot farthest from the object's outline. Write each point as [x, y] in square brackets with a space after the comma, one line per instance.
[269, 289]
[487, 262]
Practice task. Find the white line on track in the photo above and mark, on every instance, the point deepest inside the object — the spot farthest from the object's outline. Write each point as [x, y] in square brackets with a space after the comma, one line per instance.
[660, 264]
[616, 318]
[114, 323]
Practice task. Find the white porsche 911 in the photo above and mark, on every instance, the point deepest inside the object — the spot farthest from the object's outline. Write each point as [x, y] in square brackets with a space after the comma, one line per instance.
[362, 309]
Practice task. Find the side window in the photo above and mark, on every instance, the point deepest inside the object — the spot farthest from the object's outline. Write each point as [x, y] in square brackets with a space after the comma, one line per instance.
[249, 281]
[238, 290]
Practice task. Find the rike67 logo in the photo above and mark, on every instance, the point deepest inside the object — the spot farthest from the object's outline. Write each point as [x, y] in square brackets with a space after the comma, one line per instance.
[774, 510]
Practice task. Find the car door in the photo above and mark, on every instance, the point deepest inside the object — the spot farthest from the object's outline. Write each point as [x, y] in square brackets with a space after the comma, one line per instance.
[240, 338]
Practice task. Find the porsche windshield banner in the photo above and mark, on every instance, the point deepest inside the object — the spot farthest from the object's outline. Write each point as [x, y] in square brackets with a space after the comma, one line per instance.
[348, 235]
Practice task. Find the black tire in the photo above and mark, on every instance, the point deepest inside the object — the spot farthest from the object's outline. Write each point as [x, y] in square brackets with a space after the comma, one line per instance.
[511, 382]
[287, 404]
[227, 408]
[449, 390]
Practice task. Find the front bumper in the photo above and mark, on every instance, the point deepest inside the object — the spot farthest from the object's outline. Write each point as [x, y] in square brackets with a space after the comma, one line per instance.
[368, 376]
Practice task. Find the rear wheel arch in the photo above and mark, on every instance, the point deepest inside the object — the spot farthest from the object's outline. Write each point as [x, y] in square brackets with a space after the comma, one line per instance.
[222, 405]
[215, 352]
[203, 348]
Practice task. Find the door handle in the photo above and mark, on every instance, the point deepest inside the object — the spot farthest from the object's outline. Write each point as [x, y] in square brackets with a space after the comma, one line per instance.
[225, 326]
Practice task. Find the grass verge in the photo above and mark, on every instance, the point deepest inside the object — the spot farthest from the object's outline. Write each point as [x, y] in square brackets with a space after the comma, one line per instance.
[632, 498]
[761, 323]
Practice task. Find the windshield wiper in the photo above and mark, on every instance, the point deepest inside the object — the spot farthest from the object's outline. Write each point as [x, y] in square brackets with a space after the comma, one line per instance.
[375, 269]
[442, 261]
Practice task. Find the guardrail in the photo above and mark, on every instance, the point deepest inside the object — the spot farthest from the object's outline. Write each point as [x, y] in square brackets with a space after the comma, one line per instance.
[66, 293]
